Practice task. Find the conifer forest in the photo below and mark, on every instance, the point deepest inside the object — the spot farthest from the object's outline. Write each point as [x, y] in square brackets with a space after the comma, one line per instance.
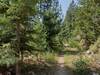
[37, 38]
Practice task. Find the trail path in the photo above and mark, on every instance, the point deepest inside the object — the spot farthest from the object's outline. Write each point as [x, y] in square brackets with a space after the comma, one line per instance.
[61, 69]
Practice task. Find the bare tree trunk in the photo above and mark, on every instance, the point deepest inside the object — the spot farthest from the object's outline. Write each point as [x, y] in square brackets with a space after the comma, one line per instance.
[17, 69]
[18, 48]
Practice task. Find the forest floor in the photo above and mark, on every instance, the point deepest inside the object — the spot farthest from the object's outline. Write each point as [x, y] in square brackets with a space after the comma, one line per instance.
[62, 69]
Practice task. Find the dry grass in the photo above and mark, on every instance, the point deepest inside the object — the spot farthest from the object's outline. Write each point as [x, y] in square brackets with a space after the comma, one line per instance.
[69, 59]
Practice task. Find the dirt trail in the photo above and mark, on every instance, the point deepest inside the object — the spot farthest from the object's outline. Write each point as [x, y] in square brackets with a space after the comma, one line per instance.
[61, 69]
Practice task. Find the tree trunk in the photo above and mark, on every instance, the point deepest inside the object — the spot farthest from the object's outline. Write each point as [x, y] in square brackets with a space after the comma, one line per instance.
[17, 69]
[18, 48]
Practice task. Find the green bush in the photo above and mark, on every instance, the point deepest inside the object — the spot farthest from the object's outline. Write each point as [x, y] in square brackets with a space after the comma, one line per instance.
[75, 44]
[95, 47]
[50, 57]
[7, 56]
[81, 67]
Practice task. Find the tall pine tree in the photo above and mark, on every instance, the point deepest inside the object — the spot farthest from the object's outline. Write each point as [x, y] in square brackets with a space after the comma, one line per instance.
[14, 14]
[50, 12]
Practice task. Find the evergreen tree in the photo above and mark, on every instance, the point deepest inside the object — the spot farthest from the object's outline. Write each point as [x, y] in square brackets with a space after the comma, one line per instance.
[37, 36]
[51, 18]
[15, 16]
[85, 20]
[85, 24]
[69, 19]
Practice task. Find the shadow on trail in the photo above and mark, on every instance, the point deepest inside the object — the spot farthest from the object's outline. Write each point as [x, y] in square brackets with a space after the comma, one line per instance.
[48, 70]
[44, 68]
[63, 71]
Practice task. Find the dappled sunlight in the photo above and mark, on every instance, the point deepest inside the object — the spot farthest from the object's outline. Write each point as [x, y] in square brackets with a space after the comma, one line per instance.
[49, 37]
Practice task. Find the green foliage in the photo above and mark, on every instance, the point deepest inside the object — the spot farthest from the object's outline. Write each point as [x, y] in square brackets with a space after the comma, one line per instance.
[74, 44]
[51, 18]
[20, 28]
[81, 67]
[14, 24]
[95, 47]
[7, 56]
[37, 37]
[50, 57]
[69, 19]
[83, 19]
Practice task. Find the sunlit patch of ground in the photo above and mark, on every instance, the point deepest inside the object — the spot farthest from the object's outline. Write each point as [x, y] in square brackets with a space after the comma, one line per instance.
[69, 59]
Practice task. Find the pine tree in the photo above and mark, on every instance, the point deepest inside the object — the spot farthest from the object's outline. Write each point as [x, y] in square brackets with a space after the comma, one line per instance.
[37, 36]
[85, 23]
[69, 19]
[51, 18]
[15, 16]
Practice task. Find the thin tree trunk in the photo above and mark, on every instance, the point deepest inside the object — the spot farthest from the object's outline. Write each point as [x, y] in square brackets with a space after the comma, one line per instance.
[18, 48]
[17, 69]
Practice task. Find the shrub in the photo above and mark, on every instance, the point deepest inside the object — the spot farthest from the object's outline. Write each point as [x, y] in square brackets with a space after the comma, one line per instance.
[95, 47]
[7, 56]
[81, 67]
[75, 44]
[50, 57]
